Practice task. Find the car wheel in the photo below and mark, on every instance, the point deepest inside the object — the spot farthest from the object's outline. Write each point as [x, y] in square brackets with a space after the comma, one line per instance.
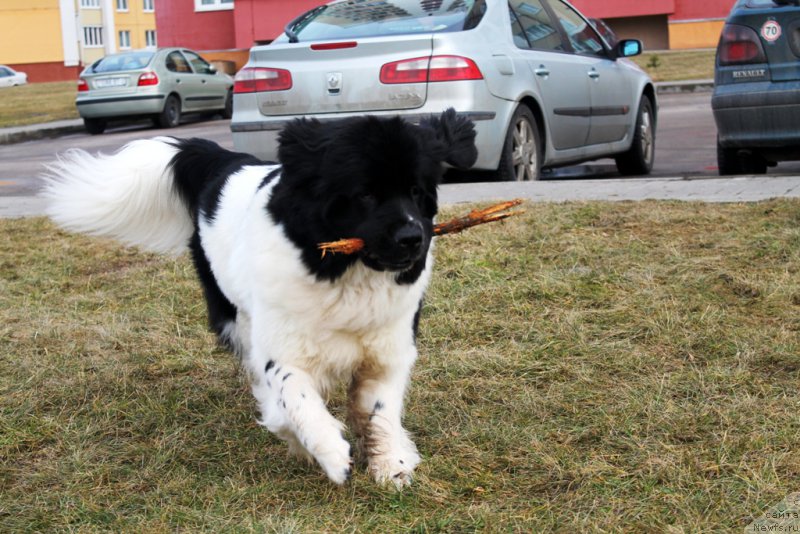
[170, 116]
[639, 158]
[227, 112]
[95, 126]
[735, 161]
[521, 159]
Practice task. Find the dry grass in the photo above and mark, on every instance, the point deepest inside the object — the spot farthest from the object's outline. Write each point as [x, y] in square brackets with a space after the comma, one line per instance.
[597, 367]
[677, 65]
[38, 102]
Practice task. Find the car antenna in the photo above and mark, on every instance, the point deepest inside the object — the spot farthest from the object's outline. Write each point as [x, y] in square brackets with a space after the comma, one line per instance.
[289, 28]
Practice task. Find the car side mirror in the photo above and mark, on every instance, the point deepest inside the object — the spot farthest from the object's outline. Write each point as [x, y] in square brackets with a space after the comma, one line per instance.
[212, 69]
[628, 48]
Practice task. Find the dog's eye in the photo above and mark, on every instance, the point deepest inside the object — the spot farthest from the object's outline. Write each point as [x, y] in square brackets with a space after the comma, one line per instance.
[368, 200]
[416, 192]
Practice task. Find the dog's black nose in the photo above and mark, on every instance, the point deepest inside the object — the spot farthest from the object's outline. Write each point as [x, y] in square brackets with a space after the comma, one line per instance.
[409, 236]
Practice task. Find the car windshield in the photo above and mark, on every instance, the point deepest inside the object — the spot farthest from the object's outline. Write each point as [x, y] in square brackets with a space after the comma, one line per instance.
[118, 62]
[369, 18]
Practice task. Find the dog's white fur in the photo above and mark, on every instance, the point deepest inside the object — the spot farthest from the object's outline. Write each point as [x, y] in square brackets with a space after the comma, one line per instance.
[316, 332]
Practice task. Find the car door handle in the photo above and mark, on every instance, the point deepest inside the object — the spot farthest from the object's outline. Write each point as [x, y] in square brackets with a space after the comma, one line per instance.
[542, 71]
[593, 74]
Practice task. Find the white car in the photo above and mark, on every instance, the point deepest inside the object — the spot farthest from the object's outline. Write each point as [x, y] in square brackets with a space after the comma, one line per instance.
[9, 77]
[542, 86]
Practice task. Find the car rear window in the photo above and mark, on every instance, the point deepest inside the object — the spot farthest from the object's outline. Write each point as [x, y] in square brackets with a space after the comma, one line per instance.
[118, 62]
[370, 18]
[769, 3]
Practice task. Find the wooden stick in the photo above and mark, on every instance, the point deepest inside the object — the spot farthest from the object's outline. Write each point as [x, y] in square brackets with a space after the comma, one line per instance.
[473, 218]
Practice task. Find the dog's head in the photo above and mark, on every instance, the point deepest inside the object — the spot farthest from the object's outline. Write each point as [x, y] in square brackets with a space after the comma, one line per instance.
[371, 178]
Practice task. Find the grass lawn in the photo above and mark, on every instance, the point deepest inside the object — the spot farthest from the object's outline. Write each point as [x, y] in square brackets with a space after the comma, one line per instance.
[38, 102]
[585, 367]
[671, 66]
[44, 102]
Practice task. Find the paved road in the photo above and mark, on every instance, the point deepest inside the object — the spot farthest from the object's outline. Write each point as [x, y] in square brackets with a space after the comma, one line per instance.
[686, 142]
[20, 163]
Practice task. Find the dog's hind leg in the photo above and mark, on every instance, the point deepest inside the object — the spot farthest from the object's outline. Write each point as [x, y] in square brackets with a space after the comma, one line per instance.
[292, 408]
[376, 409]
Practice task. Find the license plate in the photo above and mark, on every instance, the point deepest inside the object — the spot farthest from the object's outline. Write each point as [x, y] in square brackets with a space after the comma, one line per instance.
[110, 82]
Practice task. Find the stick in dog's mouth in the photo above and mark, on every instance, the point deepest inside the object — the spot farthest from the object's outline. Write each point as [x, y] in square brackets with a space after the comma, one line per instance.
[496, 212]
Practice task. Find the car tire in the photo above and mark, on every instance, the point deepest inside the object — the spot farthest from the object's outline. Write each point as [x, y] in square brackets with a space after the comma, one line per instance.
[170, 116]
[227, 112]
[639, 158]
[731, 161]
[95, 126]
[521, 158]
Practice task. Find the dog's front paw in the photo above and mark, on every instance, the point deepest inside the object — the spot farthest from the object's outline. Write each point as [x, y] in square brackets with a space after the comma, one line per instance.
[396, 467]
[336, 460]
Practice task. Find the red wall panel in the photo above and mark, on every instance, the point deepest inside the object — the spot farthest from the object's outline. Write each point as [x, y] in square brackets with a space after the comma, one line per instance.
[178, 24]
[625, 8]
[47, 72]
[262, 20]
[707, 9]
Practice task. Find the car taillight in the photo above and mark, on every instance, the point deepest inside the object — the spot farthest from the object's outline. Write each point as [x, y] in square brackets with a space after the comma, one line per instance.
[260, 79]
[82, 85]
[430, 69]
[740, 45]
[148, 78]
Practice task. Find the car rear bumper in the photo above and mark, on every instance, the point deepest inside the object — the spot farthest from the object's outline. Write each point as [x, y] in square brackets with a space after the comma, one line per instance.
[120, 106]
[256, 133]
[758, 114]
[261, 137]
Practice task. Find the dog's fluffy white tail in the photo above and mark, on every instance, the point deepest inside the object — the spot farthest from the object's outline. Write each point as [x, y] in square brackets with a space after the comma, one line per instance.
[128, 196]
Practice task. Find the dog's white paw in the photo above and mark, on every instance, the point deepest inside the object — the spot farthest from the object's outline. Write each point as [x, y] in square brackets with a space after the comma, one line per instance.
[336, 460]
[396, 467]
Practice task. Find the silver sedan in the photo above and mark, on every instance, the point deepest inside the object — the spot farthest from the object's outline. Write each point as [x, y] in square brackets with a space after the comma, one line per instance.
[542, 86]
[162, 84]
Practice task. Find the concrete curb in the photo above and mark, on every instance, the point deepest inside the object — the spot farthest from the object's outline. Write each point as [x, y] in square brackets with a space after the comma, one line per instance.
[685, 86]
[18, 134]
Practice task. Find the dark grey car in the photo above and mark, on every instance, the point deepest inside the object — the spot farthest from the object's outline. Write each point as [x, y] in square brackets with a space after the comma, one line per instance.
[756, 98]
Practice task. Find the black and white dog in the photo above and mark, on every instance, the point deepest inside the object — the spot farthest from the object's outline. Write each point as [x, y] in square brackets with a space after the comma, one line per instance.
[301, 322]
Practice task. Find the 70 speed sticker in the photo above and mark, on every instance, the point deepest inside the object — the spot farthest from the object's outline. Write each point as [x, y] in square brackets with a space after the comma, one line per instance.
[771, 31]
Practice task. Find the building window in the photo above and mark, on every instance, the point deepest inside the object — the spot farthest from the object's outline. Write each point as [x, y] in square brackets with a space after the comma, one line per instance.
[212, 5]
[148, 6]
[92, 36]
[124, 39]
[150, 38]
[122, 5]
[90, 3]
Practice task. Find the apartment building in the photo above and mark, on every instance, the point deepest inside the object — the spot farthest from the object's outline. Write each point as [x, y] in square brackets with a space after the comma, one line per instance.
[53, 39]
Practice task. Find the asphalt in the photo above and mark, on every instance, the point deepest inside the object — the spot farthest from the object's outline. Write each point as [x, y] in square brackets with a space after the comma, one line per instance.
[728, 189]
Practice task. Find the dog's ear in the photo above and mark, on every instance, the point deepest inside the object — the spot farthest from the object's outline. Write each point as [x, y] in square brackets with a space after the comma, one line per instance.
[301, 146]
[457, 137]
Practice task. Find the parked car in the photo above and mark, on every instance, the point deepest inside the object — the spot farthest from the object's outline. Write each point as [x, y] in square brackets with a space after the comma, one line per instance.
[543, 88]
[10, 78]
[162, 84]
[756, 99]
